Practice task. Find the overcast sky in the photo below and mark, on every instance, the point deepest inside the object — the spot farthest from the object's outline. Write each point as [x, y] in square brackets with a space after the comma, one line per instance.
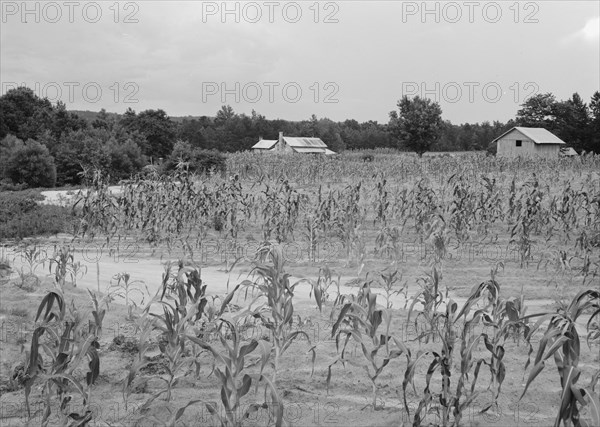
[354, 62]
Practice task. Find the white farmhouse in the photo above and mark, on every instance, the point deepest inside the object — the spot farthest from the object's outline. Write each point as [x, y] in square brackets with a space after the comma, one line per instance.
[289, 144]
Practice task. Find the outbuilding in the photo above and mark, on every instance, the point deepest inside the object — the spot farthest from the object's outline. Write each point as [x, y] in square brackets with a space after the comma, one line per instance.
[528, 142]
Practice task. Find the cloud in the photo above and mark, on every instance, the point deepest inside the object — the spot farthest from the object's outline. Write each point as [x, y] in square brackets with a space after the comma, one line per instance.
[589, 33]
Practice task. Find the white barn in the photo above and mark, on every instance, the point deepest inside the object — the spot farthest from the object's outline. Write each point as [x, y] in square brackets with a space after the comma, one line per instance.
[288, 144]
[528, 142]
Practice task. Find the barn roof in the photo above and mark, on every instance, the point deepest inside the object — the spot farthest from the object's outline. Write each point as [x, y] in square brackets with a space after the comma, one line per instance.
[304, 142]
[537, 135]
[265, 144]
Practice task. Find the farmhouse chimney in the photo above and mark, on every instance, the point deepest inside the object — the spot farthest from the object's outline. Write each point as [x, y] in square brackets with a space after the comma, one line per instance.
[260, 138]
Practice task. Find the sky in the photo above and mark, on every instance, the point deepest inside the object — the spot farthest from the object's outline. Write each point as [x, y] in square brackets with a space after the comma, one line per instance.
[289, 60]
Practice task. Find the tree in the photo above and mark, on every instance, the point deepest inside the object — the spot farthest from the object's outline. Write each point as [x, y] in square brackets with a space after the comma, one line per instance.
[68, 165]
[191, 130]
[572, 122]
[65, 121]
[224, 115]
[418, 124]
[538, 111]
[103, 120]
[124, 159]
[24, 114]
[594, 142]
[33, 165]
[157, 128]
[8, 145]
[334, 140]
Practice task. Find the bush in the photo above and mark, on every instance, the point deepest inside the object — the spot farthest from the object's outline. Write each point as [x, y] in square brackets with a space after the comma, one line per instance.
[209, 161]
[8, 185]
[21, 216]
[33, 165]
[198, 160]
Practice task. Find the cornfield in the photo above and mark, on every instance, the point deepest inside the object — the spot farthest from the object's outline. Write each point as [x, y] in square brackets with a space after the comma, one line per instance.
[539, 215]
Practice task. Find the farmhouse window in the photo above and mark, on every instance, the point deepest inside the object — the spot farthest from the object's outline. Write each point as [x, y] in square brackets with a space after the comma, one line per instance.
[518, 142]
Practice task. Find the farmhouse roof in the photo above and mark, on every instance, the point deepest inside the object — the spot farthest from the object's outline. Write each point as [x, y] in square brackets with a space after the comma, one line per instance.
[265, 144]
[309, 150]
[537, 135]
[304, 142]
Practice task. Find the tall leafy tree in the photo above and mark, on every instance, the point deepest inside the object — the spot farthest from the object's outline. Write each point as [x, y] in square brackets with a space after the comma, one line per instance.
[538, 111]
[572, 122]
[158, 129]
[594, 107]
[418, 124]
[24, 114]
[32, 164]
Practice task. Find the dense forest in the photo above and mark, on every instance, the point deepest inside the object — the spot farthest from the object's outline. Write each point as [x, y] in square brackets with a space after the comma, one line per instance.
[44, 145]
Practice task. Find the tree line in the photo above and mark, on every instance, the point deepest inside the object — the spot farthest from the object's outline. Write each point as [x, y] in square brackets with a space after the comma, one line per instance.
[43, 145]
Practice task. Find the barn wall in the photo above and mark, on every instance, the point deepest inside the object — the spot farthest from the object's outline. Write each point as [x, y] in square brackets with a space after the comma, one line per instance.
[507, 145]
[548, 150]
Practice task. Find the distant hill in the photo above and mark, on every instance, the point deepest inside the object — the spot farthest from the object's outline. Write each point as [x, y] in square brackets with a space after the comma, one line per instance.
[90, 116]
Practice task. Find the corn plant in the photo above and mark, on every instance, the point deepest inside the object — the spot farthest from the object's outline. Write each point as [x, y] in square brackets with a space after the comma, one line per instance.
[62, 260]
[381, 202]
[67, 346]
[141, 361]
[177, 319]
[424, 204]
[320, 289]
[561, 340]
[529, 219]
[389, 244]
[277, 314]
[432, 298]
[450, 402]
[280, 211]
[174, 327]
[33, 258]
[489, 205]
[127, 288]
[369, 327]
[392, 285]
[234, 379]
[462, 209]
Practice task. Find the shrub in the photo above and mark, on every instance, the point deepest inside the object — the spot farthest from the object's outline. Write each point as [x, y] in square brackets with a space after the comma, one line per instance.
[21, 216]
[209, 161]
[32, 164]
[198, 160]
[8, 185]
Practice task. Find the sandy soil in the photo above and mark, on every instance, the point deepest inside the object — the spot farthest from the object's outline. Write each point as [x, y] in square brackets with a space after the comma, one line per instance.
[307, 400]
